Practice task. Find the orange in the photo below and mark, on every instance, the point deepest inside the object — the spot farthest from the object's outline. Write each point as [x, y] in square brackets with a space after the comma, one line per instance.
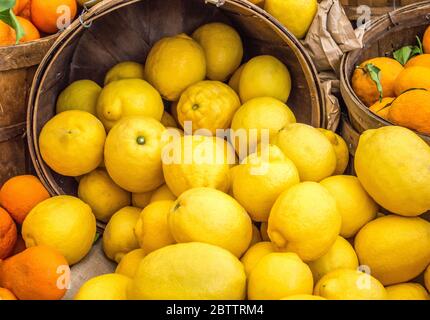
[20, 5]
[7, 35]
[7, 234]
[19, 245]
[423, 60]
[426, 41]
[382, 108]
[5, 294]
[44, 13]
[30, 31]
[38, 273]
[366, 88]
[20, 194]
[412, 78]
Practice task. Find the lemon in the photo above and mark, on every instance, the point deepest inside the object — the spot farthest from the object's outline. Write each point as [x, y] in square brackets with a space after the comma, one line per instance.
[392, 164]
[162, 193]
[235, 79]
[223, 49]
[128, 97]
[197, 161]
[340, 256]
[255, 253]
[340, 148]
[305, 220]
[130, 262]
[407, 291]
[125, 70]
[347, 284]
[396, 249]
[309, 149]
[102, 194]
[152, 229]
[133, 154]
[265, 76]
[105, 287]
[258, 181]
[211, 216]
[296, 16]
[256, 237]
[71, 143]
[79, 95]
[208, 105]
[354, 204]
[278, 275]
[64, 223]
[303, 297]
[168, 121]
[175, 63]
[118, 237]
[263, 231]
[141, 199]
[189, 271]
[427, 278]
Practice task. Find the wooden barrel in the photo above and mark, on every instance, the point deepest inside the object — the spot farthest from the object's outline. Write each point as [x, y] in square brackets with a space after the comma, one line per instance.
[126, 30]
[382, 36]
[354, 9]
[17, 67]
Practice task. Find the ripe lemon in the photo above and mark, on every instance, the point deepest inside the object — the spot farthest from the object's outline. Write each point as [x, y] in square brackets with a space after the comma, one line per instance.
[162, 193]
[125, 70]
[347, 284]
[223, 49]
[168, 121]
[175, 63]
[296, 16]
[396, 249]
[79, 95]
[303, 297]
[265, 76]
[340, 149]
[152, 229]
[71, 143]
[110, 286]
[133, 154]
[278, 275]
[255, 253]
[208, 105]
[235, 79]
[305, 220]
[130, 262]
[263, 231]
[118, 237]
[340, 256]
[309, 149]
[128, 97]
[64, 223]
[211, 216]
[102, 194]
[141, 199]
[259, 180]
[407, 291]
[412, 78]
[197, 161]
[190, 271]
[256, 236]
[392, 164]
[353, 203]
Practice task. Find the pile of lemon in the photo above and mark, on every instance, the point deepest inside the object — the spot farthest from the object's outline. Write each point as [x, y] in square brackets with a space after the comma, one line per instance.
[280, 222]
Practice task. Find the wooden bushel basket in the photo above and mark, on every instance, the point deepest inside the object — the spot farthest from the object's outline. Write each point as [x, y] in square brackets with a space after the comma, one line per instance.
[382, 37]
[377, 7]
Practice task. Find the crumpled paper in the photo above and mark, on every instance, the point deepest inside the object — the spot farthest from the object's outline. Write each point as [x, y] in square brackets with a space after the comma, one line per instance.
[330, 85]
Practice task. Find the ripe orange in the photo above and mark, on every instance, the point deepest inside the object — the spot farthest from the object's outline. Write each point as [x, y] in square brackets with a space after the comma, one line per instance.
[7, 234]
[382, 108]
[45, 16]
[30, 31]
[426, 41]
[20, 5]
[412, 78]
[422, 60]
[7, 35]
[5, 294]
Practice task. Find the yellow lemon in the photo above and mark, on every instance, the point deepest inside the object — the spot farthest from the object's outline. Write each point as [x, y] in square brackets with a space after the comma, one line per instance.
[340, 256]
[277, 275]
[118, 237]
[303, 297]
[296, 16]
[260, 179]
[197, 161]
[102, 194]
[162, 193]
[309, 149]
[305, 220]
[128, 97]
[71, 143]
[235, 79]
[396, 249]
[207, 105]
[175, 63]
[427, 278]
[110, 286]
[64, 223]
[125, 70]
[168, 121]
[133, 154]
[347, 284]
[392, 164]
[354, 204]
[211, 216]
[152, 229]
[407, 291]
[79, 95]
[256, 237]
[190, 271]
[223, 49]
[255, 253]
[141, 199]
[263, 231]
[265, 76]
[340, 148]
[130, 262]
